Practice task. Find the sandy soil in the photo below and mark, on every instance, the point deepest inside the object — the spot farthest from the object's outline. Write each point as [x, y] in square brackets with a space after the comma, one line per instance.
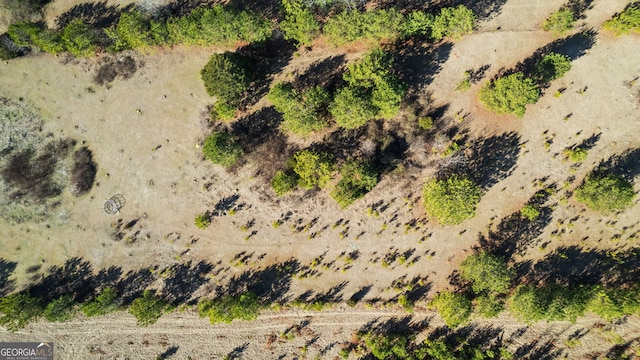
[145, 134]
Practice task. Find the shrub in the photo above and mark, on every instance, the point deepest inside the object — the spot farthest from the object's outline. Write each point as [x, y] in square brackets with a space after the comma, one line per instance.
[373, 25]
[226, 76]
[509, 94]
[283, 182]
[78, 38]
[351, 108]
[453, 22]
[552, 66]
[560, 21]
[313, 168]
[103, 304]
[18, 310]
[606, 193]
[147, 309]
[530, 212]
[203, 220]
[425, 122]
[486, 272]
[576, 154]
[626, 21]
[220, 148]
[358, 178]
[244, 307]
[60, 309]
[451, 200]
[298, 24]
[455, 309]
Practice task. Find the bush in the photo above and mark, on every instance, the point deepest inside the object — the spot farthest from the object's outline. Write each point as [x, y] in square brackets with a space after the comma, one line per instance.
[244, 307]
[606, 193]
[301, 113]
[283, 182]
[313, 168]
[18, 310]
[455, 309]
[453, 22]
[552, 66]
[560, 21]
[486, 272]
[226, 76]
[147, 309]
[509, 94]
[576, 154]
[626, 21]
[373, 25]
[298, 24]
[530, 212]
[60, 309]
[357, 180]
[78, 38]
[203, 220]
[103, 304]
[451, 200]
[220, 148]
[425, 122]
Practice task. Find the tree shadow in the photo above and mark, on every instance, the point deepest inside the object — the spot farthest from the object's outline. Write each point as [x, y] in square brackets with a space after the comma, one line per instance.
[538, 350]
[400, 325]
[95, 14]
[75, 277]
[168, 353]
[579, 7]
[484, 336]
[236, 353]
[417, 64]
[184, 280]
[133, 284]
[484, 9]
[225, 204]
[326, 73]
[625, 165]
[268, 59]
[493, 159]
[516, 233]
[257, 128]
[360, 294]
[589, 143]
[6, 269]
[571, 265]
[269, 284]
[271, 9]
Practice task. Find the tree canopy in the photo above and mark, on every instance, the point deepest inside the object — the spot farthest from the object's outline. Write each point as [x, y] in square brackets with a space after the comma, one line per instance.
[221, 148]
[606, 193]
[451, 200]
[509, 94]
[486, 272]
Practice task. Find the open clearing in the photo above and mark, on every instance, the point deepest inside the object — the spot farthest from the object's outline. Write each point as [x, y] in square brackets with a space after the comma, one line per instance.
[146, 131]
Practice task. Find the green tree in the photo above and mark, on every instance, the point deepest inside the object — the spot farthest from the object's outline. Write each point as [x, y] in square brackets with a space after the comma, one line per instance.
[528, 304]
[486, 272]
[284, 181]
[313, 168]
[455, 309]
[351, 108]
[613, 304]
[567, 303]
[552, 66]
[225, 309]
[103, 304]
[358, 178]
[28, 34]
[387, 346]
[19, 309]
[488, 305]
[626, 21]
[509, 94]
[417, 23]
[560, 21]
[226, 76]
[453, 22]
[301, 112]
[530, 212]
[373, 26]
[78, 38]
[299, 23]
[60, 309]
[606, 193]
[451, 200]
[132, 31]
[147, 309]
[221, 148]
